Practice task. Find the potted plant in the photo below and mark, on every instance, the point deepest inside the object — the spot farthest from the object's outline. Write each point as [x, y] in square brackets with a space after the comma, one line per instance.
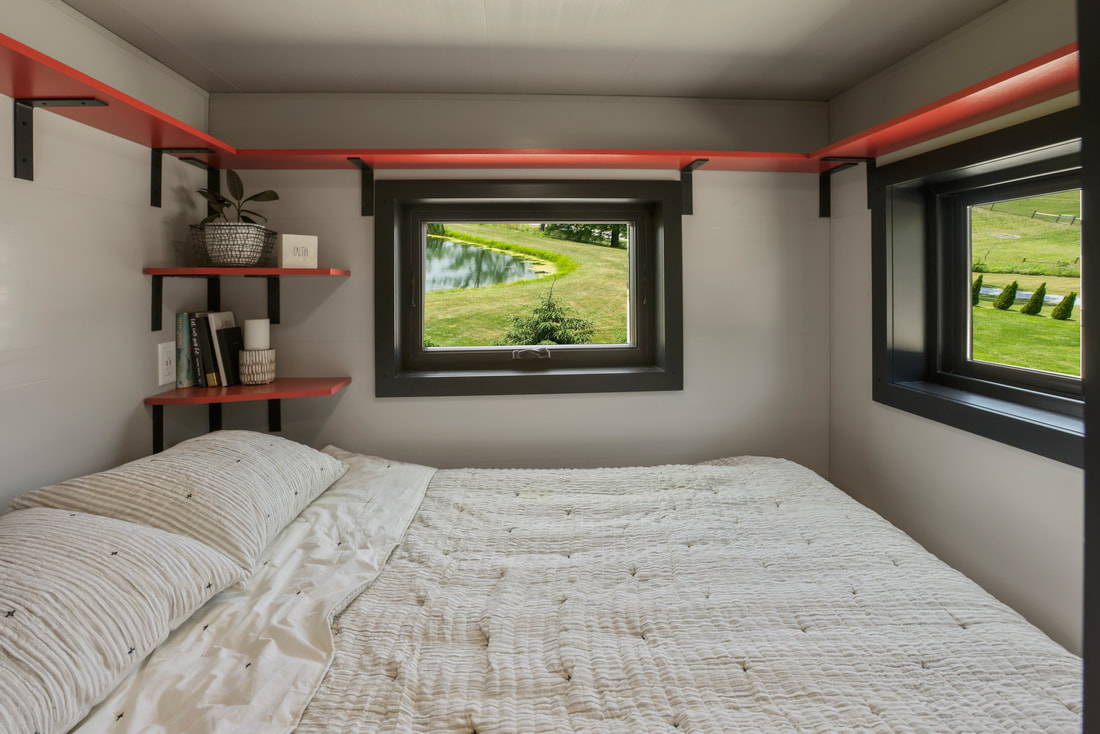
[239, 240]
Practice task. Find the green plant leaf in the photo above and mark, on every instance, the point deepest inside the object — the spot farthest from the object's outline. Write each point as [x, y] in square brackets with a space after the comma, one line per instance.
[209, 219]
[268, 195]
[215, 199]
[233, 183]
[250, 220]
[255, 214]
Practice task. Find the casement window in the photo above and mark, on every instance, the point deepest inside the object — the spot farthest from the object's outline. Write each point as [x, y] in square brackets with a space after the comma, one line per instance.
[468, 271]
[977, 286]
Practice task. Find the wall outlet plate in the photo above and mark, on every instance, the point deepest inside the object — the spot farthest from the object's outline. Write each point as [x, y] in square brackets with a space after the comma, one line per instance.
[166, 363]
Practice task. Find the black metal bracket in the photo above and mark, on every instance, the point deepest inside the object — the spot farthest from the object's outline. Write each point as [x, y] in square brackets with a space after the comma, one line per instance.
[685, 183]
[213, 297]
[23, 132]
[824, 180]
[274, 416]
[367, 186]
[156, 159]
[158, 429]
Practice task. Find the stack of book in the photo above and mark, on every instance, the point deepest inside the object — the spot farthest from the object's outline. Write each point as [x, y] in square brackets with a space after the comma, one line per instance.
[208, 347]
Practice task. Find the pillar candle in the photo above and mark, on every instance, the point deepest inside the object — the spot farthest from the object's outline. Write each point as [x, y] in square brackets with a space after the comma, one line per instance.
[257, 334]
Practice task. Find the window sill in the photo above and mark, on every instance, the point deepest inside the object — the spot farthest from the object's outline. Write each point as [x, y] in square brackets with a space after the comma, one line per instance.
[525, 382]
[1044, 432]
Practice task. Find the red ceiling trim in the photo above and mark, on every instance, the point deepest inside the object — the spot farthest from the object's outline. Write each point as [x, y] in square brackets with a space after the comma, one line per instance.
[27, 73]
[1039, 80]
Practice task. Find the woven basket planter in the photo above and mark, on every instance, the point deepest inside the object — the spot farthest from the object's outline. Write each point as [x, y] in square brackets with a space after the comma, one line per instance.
[232, 244]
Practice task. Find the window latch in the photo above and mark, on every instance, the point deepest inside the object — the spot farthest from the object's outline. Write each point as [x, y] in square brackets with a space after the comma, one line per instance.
[536, 353]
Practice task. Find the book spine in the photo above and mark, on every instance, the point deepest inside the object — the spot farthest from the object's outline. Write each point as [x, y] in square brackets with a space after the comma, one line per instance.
[209, 366]
[229, 346]
[185, 373]
[196, 351]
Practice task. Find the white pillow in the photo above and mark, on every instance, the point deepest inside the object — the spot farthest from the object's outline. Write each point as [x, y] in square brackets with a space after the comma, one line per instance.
[83, 599]
[233, 490]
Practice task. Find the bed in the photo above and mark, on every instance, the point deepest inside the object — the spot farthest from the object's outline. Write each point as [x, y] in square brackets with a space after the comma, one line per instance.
[335, 592]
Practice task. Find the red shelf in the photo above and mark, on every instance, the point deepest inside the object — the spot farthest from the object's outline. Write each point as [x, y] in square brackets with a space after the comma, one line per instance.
[246, 271]
[282, 388]
[1039, 80]
[511, 158]
[26, 73]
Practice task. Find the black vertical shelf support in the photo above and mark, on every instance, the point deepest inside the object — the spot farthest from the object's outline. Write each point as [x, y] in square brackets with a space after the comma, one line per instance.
[367, 186]
[156, 168]
[685, 183]
[158, 302]
[274, 415]
[23, 132]
[273, 308]
[158, 429]
[824, 181]
[215, 417]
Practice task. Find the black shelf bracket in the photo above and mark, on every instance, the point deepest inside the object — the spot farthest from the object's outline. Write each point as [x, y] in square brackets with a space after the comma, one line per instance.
[158, 429]
[23, 132]
[824, 180]
[273, 310]
[213, 297]
[274, 415]
[156, 159]
[367, 186]
[685, 183]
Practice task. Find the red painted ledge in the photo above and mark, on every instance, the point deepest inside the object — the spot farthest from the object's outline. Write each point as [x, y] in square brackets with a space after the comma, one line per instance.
[246, 271]
[281, 388]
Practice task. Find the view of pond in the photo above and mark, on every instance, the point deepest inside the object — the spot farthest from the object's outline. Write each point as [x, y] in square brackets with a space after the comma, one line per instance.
[454, 265]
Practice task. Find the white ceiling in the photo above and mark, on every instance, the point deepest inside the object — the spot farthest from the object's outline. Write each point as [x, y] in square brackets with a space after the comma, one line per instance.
[762, 49]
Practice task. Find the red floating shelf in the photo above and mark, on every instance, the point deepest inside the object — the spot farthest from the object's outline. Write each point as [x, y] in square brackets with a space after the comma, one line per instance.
[282, 388]
[26, 73]
[267, 272]
[1039, 80]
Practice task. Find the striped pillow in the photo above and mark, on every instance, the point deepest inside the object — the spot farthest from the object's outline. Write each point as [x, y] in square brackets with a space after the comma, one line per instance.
[83, 599]
[233, 490]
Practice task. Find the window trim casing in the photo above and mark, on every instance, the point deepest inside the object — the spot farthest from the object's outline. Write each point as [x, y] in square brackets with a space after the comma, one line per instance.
[403, 204]
[911, 270]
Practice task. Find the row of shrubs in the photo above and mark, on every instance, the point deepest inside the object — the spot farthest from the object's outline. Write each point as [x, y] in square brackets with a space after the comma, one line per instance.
[1034, 305]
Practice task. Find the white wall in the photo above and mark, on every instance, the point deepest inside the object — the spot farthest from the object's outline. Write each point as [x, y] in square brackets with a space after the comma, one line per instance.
[1009, 35]
[755, 378]
[1011, 520]
[55, 29]
[76, 353]
[514, 121]
[755, 254]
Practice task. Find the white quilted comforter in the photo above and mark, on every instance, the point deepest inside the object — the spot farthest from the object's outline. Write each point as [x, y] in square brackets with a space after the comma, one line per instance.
[753, 597]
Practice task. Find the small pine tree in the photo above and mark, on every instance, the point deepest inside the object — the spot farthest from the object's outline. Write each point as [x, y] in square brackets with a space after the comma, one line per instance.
[976, 291]
[1064, 310]
[1034, 304]
[1007, 297]
[548, 323]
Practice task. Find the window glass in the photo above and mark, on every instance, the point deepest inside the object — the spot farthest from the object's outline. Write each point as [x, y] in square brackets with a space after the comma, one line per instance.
[518, 283]
[1026, 297]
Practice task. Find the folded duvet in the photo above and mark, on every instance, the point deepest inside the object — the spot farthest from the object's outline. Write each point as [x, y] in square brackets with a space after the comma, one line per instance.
[250, 660]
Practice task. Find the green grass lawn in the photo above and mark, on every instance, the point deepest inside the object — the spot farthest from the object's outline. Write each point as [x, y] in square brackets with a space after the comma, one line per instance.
[596, 290]
[1036, 342]
[1005, 239]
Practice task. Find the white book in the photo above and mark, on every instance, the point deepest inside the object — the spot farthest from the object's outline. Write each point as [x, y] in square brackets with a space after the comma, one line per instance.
[219, 320]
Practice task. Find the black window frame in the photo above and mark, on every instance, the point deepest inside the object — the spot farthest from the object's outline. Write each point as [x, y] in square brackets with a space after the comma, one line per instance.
[920, 292]
[652, 361]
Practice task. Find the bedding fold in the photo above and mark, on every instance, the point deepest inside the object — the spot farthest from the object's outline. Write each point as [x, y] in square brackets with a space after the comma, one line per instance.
[252, 658]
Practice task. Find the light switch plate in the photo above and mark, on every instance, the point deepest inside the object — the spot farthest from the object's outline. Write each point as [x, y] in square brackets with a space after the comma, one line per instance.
[166, 363]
